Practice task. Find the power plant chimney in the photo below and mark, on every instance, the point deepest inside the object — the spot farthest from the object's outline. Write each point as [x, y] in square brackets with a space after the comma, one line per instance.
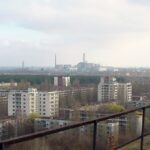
[22, 65]
[55, 60]
[84, 57]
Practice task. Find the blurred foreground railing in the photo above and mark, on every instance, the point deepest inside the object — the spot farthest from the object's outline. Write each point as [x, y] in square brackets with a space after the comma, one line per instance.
[6, 144]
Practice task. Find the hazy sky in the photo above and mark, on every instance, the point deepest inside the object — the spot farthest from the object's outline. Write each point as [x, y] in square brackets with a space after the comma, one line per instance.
[110, 32]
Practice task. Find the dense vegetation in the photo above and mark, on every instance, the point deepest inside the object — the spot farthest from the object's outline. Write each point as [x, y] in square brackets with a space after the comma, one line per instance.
[37, 79]
[111, 108]
[33, 79]
[140, 84]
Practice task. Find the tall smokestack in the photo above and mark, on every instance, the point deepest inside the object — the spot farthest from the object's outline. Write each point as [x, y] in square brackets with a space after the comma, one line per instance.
[84, 57]
[22, 65]
[55, 60]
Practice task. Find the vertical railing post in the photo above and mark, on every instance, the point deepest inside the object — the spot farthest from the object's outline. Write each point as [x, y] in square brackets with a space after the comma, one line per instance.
[143, 125]
[94, 135]
[1, 146]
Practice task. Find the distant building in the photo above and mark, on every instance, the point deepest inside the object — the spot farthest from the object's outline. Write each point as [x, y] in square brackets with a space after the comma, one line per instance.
[8, 84]
[139, 98]
[3, 106]
[48, 104]
[87, 67]
[124, 93]
[48, 123]
[22, 102]
[6, 126]
[110, 133]
[32, 101]
[137, 104]
[62, 81]
[109, 89]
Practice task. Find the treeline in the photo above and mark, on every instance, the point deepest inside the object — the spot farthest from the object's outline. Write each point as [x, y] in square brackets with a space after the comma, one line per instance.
[38, 79]
[33, 79]
[140, 84]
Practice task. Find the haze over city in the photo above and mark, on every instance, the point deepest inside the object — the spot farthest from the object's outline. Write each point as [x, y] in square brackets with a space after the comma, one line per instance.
[74, 74]
[110, 32]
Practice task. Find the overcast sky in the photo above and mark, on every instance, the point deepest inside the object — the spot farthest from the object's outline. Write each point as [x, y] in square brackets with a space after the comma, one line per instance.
[110, 32]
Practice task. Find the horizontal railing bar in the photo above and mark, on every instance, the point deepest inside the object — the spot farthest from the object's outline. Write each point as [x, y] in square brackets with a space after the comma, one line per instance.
[146, 134]
[126, 143]
[76, 125]
[133, 140]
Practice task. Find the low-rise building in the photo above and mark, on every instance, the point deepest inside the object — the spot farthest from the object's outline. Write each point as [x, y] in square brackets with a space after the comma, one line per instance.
[136, 104]
[49, 123]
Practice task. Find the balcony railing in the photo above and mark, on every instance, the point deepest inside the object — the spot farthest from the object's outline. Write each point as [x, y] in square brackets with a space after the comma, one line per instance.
[6, 144]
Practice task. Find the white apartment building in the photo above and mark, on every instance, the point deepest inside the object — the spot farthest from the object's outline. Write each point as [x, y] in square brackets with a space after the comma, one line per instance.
[109, 89]
[62, 81]
[30, 101]
[22, 102]
[124, 93]
[48, 103]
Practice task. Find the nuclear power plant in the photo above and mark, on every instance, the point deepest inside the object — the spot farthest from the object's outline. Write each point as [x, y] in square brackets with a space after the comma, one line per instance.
[83, 66]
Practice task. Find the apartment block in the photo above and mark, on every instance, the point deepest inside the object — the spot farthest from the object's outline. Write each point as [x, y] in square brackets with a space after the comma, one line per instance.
[31, 101]
[62, 81]
[124, 93]
[22, 102]
[109, 89]
[48, 103]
